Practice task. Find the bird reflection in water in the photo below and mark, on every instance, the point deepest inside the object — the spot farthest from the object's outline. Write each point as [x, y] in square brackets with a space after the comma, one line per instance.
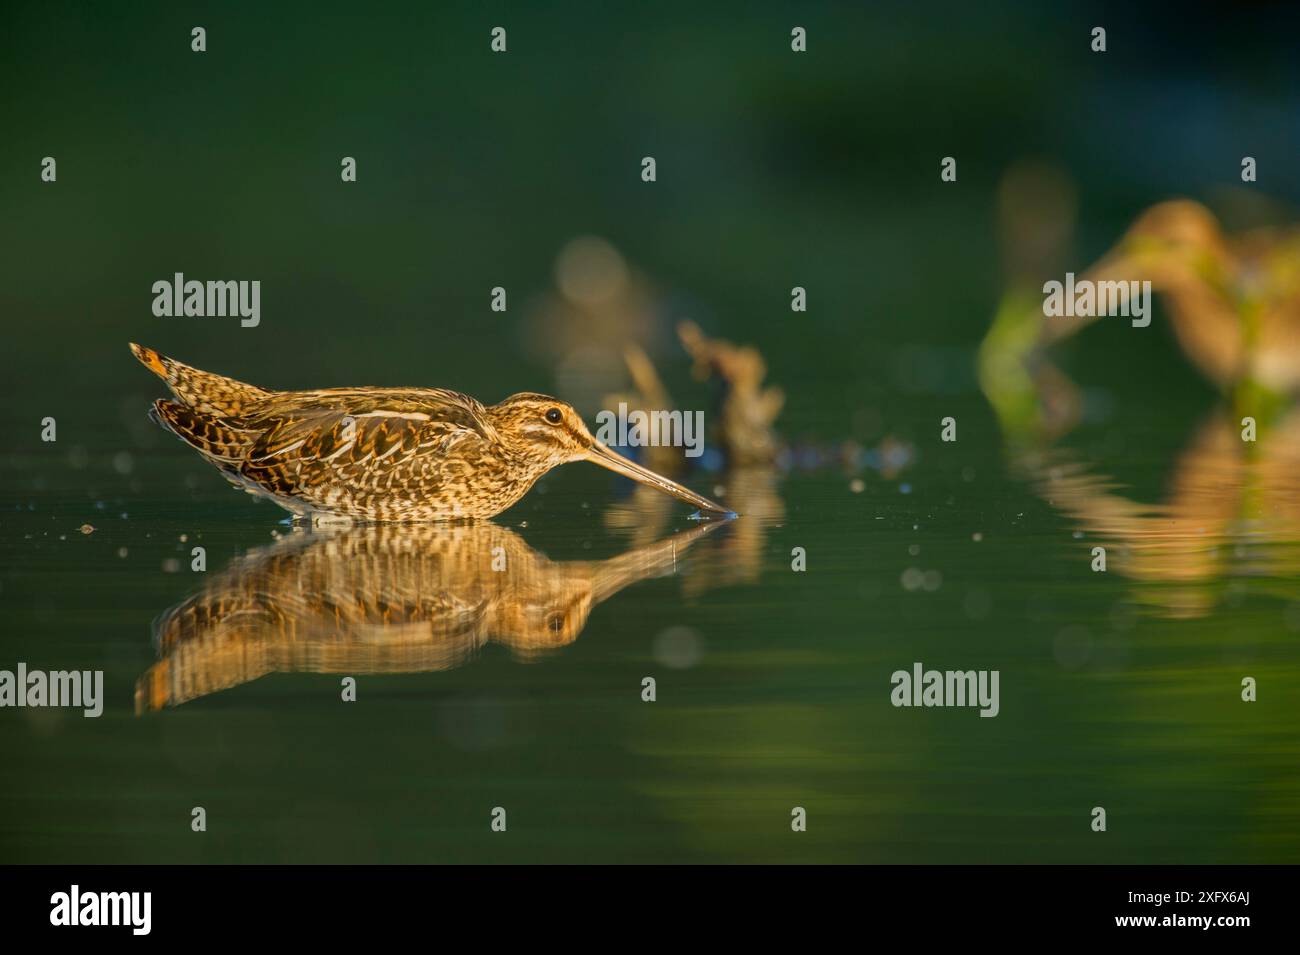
[385, 599]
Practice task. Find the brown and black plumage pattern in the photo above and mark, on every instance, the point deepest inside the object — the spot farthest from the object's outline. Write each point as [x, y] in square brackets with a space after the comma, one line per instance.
[381, 454]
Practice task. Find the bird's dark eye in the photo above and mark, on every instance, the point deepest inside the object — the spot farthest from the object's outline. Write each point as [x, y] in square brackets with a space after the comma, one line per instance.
[555, 622]
[554, 416]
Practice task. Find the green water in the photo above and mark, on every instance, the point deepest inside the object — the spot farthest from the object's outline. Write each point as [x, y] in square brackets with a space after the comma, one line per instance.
[1119, 690]
[772, 685]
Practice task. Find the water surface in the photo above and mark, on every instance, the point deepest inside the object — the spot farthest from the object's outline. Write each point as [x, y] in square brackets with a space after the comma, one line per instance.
[478, 688]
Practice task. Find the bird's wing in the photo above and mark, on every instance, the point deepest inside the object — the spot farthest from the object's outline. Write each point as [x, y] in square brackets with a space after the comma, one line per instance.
[363, 425]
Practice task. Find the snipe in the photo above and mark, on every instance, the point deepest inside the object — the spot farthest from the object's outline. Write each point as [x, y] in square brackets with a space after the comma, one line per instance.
[382, 454]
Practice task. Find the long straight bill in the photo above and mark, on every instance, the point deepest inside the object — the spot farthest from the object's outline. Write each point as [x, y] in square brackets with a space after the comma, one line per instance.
[599, 454]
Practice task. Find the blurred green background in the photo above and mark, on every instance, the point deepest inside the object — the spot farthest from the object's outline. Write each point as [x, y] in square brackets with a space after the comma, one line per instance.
[775, 169]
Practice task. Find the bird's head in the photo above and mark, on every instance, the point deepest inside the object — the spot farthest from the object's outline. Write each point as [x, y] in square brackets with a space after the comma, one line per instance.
[549, 432]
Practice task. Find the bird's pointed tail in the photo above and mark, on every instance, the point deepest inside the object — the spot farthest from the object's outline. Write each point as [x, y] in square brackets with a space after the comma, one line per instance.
[202, 391]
